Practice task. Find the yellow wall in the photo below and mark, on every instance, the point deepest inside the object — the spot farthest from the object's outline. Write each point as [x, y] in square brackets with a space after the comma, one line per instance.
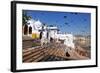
[34, 35]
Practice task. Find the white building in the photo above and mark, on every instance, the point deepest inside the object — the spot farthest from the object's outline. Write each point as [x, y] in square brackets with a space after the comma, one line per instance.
[49, 32]
[53, 31]
[36, 25]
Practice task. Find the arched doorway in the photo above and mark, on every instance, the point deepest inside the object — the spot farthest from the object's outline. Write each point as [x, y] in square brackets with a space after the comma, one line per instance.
[41, 34]
[25, 29]
[30, 30]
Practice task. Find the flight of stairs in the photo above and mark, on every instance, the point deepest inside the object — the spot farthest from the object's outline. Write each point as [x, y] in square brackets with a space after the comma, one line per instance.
[51, 52]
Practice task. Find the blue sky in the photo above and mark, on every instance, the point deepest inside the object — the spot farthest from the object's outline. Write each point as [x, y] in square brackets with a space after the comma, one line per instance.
[69, 22]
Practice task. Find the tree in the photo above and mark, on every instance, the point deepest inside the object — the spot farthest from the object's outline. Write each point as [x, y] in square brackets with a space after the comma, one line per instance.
[25, 17]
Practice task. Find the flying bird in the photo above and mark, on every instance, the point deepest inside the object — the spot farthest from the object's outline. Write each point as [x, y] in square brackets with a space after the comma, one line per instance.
[67, 24]
[85, 20]
[65, 16]
[76, 13]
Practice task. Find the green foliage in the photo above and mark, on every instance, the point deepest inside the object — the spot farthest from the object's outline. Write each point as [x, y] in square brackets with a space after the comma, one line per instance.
[25, 17]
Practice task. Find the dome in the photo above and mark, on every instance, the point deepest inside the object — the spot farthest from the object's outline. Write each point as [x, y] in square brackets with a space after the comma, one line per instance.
[37, 24]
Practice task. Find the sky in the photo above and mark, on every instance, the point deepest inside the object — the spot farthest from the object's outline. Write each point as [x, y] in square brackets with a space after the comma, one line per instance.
[67, 22]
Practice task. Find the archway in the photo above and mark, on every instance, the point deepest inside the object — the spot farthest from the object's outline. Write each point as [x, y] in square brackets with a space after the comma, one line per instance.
[30, 30]
[41, 34]
[25, 29]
